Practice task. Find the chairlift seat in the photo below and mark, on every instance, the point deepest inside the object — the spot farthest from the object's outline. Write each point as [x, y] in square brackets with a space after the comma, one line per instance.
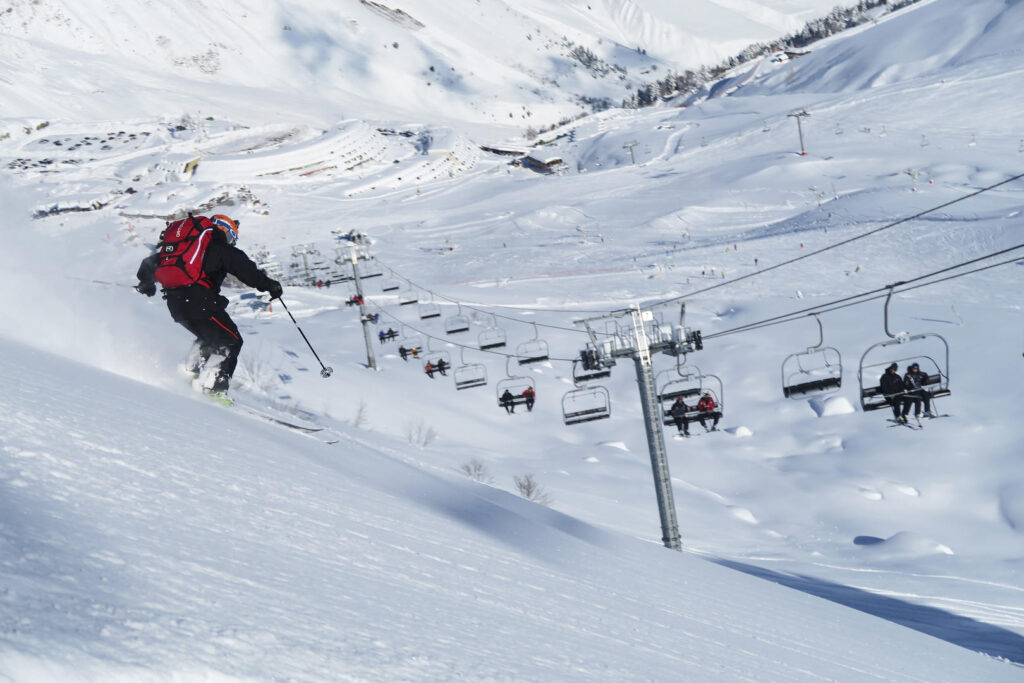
[588, 415]
[814, 386]
[493, 338]
[456, 324]
[683, 392]
[693, 416]
[469, 376]
[429, 310]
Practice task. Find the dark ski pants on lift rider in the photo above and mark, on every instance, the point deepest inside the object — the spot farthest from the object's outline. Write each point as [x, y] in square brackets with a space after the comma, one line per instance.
[896, 402]
[204, 314]
[915, 398]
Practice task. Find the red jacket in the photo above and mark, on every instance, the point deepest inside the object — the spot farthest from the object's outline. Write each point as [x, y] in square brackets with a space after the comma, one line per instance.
[706, 403]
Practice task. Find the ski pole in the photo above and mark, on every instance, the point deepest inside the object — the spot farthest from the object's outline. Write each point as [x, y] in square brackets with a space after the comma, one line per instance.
[326, 371]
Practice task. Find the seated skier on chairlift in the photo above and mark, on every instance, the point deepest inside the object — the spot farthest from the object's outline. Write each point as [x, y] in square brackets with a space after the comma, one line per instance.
[530, 395]
[441, 366]
[706, 404]
[913, 383]
[894, 390]
[430, 369]
[678, 413]
[508, 402]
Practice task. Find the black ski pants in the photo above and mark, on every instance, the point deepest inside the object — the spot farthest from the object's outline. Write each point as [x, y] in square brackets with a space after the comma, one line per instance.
[915, 398]
[203, 313]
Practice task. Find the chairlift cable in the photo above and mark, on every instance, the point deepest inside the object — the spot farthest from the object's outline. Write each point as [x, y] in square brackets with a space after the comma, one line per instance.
[872, 295]
[816, 252]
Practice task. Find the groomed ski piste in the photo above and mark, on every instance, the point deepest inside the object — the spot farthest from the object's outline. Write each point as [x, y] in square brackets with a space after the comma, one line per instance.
[148, 533]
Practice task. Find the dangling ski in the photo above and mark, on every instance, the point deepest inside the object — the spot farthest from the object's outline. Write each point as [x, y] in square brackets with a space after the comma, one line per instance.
[897, 423]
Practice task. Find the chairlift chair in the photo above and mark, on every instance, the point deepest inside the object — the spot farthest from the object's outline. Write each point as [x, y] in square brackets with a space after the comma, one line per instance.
[928, 349]
[430, 309]
[389, 285]
[456, 323]
[586, 405]
[533, 350]
[515, 384]
[691, 384]
[589, 366]
[433, 356]
[814, 372]
[686, 383]
[407, 297]
[492, 338]
[469, 375]
[371, 271]
[410, 340]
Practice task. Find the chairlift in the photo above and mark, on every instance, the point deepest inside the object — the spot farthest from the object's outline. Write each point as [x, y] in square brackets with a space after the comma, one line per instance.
[683, 381]
[588, 367]
[690, 385]
[389, 285]
[430, 309]
[469, 375]
[456, 323]
[515, 385]
[410, 341]
[814, 372]
[928, 349]
[407, 297]
[532, 351]
[492, 338]
[586, 405]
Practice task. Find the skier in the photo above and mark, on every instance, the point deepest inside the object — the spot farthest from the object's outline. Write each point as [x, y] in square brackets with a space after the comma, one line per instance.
[429, 368]
[892, 387]
[199, 307]
[403, 352]
[530, 395]
[914, 382]
[442, 366]
[678, 413]
[706, 404]
[508, 402]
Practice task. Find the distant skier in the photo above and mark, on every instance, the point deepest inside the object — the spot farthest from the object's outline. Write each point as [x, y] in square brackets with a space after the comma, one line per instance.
[442, 366]
[678, 413]
[914, 382]
[430, 369]
[892, 387]
[193, 257]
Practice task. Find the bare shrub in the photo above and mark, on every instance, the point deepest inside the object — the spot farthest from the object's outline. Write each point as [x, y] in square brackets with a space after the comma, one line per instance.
[530, 490]
[360, 417]
[420, 434]
[477, 471]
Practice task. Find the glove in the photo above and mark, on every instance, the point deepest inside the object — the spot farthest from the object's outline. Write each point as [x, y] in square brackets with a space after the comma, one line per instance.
[274, 290]
[147, 288]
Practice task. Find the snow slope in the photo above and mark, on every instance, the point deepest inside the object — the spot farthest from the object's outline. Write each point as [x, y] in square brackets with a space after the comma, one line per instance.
[818, 542]
[256, 553]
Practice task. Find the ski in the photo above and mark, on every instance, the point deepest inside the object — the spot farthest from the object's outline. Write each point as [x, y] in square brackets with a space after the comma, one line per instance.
[276, 420]
[225, 400]
[896, 423]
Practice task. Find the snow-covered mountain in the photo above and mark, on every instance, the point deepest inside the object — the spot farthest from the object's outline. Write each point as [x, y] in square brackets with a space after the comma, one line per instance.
[484, 62]
[147, 534]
